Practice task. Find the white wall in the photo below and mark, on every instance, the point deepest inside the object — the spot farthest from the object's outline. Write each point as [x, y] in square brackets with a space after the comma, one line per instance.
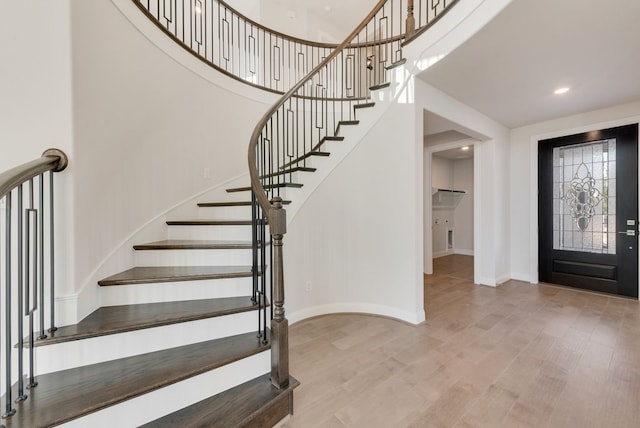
[463, 215]
[35, 80]
[523, 179]
[356, 244]
[452, 174]
[36, 102]
[442, 177]
[307, 19]
[443, 220]
[145, 129]
[441, 173]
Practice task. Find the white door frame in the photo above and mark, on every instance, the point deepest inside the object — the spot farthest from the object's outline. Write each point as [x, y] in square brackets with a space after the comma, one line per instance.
[428, 208]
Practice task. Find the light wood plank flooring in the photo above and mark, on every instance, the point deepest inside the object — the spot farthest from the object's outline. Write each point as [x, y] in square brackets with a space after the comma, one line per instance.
[513, 356]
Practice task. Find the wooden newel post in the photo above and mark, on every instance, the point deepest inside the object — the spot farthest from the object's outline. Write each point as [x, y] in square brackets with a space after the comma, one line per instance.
[411, 21]
[279, 324]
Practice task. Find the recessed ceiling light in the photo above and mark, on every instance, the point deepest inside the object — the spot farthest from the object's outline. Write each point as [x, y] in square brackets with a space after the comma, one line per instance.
[465, 148]
[562, 90]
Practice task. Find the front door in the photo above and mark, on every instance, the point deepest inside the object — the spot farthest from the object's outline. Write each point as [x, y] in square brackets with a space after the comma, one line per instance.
[588, 210]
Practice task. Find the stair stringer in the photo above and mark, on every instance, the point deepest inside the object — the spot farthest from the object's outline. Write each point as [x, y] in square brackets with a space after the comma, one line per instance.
[353, 136]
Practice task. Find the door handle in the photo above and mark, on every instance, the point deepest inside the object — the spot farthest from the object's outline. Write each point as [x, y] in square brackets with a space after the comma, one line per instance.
[628, 232]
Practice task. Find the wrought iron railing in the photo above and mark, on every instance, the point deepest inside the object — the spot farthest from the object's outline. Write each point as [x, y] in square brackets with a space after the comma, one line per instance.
[28, 266]
[217, 34]
[324, 85]
[297, 127]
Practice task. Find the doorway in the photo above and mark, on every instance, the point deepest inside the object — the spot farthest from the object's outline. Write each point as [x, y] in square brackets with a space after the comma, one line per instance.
[450, 180]
[588, 210]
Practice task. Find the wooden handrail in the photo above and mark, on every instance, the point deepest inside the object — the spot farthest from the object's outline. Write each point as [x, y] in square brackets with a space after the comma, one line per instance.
[418, 32]
[52, 159]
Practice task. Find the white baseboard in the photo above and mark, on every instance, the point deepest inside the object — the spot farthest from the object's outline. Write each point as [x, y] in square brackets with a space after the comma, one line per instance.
[491, 282]
[464, 252]
[360, 308]
[503, 278]
[442, 253]
[521, 277]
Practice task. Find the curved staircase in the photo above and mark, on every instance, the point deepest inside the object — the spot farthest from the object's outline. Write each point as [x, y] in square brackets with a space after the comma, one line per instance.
[201, 354]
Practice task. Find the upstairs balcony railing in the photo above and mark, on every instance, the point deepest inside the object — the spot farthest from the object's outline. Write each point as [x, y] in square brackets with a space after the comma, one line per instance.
[235, 45]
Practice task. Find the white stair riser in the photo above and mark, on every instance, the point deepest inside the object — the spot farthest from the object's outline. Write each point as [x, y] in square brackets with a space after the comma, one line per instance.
[220, 213]
[232, 233]
[132, 294]
[161, 402]
[95, 350]
[216, 257]
[317, 161]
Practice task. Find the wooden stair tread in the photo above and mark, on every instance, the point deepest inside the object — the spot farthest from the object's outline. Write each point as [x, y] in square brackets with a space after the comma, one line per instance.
[346, 123]
[151, 274]
[189, 244]
[316, 148]
[380, 86]
[233, 204]
[364, 105]
[66, 395]
[267, 186]
[118, 319]
[303, 157]
[209, 222]
[396, 64]
[290, 171]
[245, 405]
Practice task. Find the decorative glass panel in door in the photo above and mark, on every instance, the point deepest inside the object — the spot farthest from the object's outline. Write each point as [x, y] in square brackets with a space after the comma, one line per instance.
[588, 230]
[584, 197]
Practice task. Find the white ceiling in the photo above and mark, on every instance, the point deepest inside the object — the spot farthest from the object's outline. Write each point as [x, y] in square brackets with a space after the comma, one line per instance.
[510, 68]
[455, 154]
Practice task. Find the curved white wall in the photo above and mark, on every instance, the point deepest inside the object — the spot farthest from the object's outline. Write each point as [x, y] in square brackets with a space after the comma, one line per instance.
[356, 244]
[145, 128]
[36, 103]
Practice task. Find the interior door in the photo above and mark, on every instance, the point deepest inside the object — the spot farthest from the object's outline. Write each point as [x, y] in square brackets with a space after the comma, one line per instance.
[588, 210]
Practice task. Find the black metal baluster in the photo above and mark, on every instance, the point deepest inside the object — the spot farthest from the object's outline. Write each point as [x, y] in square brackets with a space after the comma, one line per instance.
[9, 410]
[31, 259]
[254, 241]
[20, 238]
[41, 255]
[52, 253]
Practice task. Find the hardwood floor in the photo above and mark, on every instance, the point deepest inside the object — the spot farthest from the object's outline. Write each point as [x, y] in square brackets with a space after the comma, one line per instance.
[513, 356]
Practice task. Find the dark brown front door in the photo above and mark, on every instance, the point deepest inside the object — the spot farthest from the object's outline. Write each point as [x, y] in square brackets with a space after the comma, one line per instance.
[588, 210]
